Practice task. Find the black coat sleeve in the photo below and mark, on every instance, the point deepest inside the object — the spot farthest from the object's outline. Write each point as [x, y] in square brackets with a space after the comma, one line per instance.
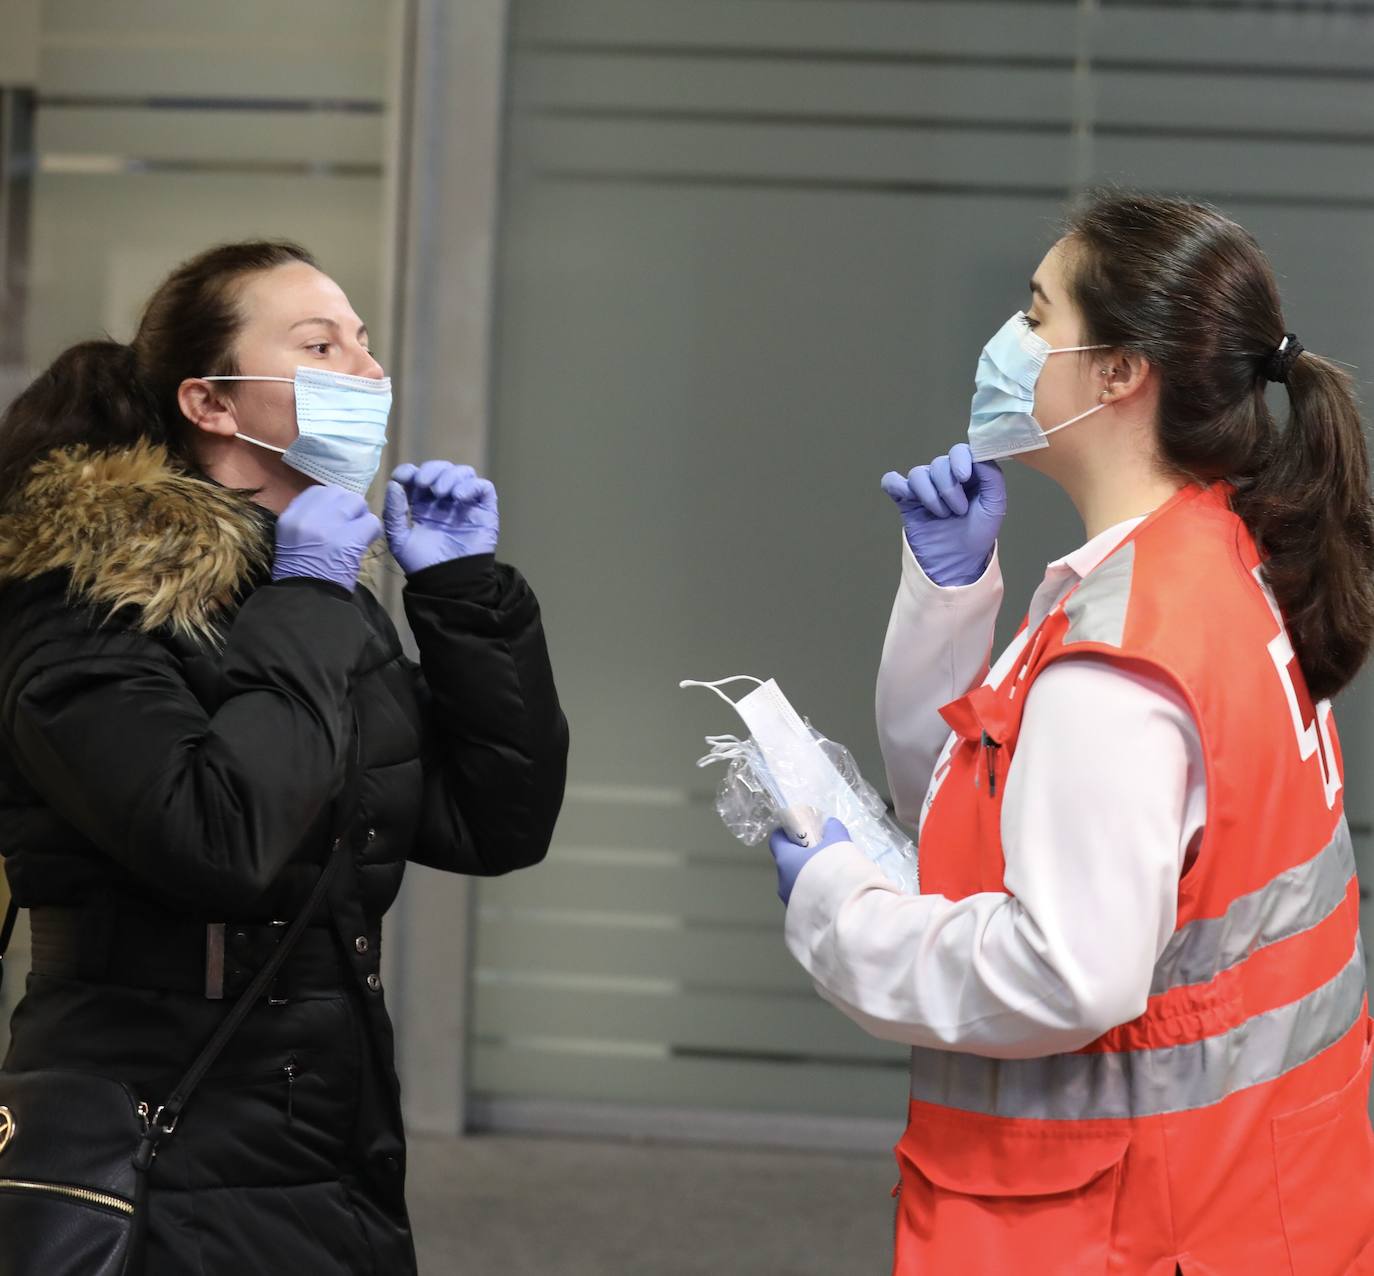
[202, 805]
[495, 739]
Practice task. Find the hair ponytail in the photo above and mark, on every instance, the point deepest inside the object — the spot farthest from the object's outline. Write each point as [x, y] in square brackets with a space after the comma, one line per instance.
[1307, 503]
[92, 394]
[1191, 291]
[108, 396]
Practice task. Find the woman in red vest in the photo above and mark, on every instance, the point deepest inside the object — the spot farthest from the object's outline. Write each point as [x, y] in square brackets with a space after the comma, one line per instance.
[1133, 979]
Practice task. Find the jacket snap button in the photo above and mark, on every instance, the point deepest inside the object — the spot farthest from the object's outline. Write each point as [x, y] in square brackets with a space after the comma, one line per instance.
[361, 943]
[374, 981]
[371, 835]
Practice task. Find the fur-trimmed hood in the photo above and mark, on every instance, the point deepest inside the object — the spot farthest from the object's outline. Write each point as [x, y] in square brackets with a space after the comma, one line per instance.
[132, 530]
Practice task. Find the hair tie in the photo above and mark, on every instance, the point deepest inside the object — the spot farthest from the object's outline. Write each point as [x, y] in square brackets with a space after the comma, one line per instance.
[1280, 363]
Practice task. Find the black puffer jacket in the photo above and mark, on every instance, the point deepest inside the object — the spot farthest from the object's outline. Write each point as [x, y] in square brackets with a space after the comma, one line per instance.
[175, 732]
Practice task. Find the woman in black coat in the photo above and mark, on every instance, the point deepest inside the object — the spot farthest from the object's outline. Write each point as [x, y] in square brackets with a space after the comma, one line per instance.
[194, 699]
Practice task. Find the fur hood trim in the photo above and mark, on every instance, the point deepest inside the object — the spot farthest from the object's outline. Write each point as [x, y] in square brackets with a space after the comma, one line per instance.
[131, 530]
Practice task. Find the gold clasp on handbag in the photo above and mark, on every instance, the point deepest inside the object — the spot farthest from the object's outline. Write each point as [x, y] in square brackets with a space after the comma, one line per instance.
[8, 1128]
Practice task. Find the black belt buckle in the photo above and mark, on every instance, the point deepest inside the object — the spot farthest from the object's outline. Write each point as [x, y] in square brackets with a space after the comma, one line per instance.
[216, 961]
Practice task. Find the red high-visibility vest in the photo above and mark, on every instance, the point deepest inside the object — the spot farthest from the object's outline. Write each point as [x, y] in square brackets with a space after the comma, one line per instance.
[1224, 1131]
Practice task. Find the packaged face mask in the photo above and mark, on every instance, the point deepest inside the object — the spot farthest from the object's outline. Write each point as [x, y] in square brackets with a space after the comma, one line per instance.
[785, 764]
[341, 421]
[1002, 419]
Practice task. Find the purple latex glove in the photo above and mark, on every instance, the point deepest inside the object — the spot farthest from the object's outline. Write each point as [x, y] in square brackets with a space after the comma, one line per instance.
[951, 510]
[452, 515]
[323, 534]
[791, 858]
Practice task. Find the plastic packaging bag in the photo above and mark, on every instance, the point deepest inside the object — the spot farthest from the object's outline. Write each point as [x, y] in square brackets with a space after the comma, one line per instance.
[761, 781]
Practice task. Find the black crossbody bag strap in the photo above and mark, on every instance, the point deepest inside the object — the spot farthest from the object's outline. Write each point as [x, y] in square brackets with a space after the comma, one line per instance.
[164, 1120]
[6, 930]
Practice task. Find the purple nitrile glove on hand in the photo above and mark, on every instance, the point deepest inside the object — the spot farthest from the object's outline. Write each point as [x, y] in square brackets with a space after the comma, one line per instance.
[951, 510]
[791, 858]
[452, 515]
[323, 535]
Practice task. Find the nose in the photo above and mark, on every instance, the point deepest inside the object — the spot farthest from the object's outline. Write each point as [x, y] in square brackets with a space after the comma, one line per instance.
[367, 365]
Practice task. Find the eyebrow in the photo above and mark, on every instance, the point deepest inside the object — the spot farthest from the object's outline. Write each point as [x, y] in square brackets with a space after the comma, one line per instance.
[1038, 291]
[328, 323]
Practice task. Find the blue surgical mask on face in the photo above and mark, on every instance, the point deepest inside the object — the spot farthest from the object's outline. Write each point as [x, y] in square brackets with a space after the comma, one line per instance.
[1002, 421]
[341, 421]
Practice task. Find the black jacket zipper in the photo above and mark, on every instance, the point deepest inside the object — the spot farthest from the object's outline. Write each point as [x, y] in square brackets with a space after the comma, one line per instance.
[292, 1072]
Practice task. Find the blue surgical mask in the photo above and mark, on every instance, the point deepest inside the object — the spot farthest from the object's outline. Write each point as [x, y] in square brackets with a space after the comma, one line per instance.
[1002, 421]
[341, 421]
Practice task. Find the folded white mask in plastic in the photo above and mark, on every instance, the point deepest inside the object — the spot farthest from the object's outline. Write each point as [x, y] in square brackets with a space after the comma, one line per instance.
[786, 764]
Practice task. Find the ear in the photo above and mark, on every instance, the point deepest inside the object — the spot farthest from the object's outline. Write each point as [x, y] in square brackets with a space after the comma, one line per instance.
[206, 408]
[1120, 375]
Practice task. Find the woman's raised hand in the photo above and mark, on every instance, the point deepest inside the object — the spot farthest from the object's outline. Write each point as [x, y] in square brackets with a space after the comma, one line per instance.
[951, 510]
[451, 512]
[323, 535]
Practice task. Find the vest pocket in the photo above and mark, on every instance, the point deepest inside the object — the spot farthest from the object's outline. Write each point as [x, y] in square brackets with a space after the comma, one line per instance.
[1324, 1162]
[1038, 1202]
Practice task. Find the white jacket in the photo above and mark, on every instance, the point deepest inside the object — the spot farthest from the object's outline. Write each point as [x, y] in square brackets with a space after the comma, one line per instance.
[1105, 796]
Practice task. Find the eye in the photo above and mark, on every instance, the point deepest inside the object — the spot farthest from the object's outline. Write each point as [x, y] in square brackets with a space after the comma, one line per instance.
[322, 348]
[1032, 323]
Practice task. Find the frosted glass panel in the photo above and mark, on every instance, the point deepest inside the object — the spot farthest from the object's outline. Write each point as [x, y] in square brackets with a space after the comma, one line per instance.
[163, 128]
[751, 250]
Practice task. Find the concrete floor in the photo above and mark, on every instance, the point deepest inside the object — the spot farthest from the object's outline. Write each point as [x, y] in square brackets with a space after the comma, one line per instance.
[491, 1204]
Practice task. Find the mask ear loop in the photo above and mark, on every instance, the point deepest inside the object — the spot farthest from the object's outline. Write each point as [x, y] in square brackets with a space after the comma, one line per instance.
[286, 380]
[1064, 425]
[1097, 407]
[271, 447]
[716, 686]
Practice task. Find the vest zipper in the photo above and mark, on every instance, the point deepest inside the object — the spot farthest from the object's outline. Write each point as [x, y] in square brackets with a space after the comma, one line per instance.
[82, 1194]
[990, 747]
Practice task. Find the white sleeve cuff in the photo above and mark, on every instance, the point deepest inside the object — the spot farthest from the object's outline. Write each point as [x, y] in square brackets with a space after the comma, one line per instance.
[914, 578]
[826, 880]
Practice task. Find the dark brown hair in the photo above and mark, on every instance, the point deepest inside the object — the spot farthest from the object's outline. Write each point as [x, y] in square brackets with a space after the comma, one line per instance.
[1192, 292]
[108, 395]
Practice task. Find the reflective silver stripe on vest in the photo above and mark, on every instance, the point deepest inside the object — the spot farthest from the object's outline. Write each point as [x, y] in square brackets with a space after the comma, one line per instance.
[1141, 1083]
[1295, 901]
[1097, 608]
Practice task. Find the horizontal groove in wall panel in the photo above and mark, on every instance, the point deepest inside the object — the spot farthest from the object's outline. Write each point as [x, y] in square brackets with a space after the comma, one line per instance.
[754, 151]
[1310, 41]
[324, 26]
[675, 894]
[814, 89]
[1310, 172]
[1192, 101]
[752, 1085]
[1295, 42]
[1306, 171]
[1163, 100]
[679, 828]
[1056, 195]
[1326, 10]
[209, 136]
[252, 70]
[699, 1022]
[856, 26]
[753, 961]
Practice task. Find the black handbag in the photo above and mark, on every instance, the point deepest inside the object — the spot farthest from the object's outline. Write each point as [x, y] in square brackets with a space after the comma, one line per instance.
[76, 1149]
